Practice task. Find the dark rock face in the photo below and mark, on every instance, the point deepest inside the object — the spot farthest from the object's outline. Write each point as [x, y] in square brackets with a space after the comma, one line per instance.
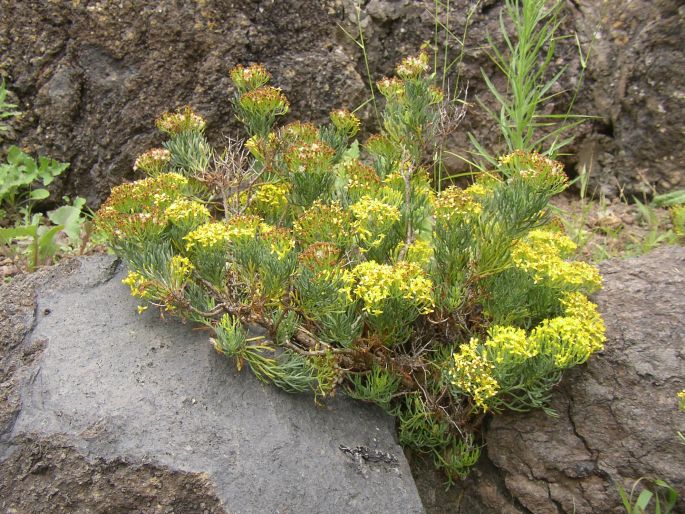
[633, 88]
[107, 411]
[93, 75]
[49, 475]
[618, 414]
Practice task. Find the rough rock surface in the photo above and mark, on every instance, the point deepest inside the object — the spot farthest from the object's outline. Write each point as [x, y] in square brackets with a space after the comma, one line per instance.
[618, 414]
[106, 411]
[92, 75]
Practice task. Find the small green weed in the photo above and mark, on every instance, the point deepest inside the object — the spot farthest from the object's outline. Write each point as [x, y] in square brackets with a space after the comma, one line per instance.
[20, 176]
[6, 109]
[37, 237]
[525, 61]
[656, 234]
[662, 497]
[39, 240]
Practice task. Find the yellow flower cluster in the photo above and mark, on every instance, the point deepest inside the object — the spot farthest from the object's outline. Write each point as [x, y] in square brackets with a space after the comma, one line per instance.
[153, 162]
[252, 77]
[454, 201]
[183, 120]
[373, 218]
[421, 187]
[471, 373]
[391, 88]
[413, 66]
[256, 145]
[180, 268]
[510, 344]
[265, 100]
[376, 283]
[572, 338]
[138, 284]
[165, 182]
[681, 396]
[533, 162]
[209, 236]
[309, 157]
[298, 132]
[437, 95]
[677, 213]
[215, 234]
[360, 177]
[323, 223]
[477, 190]
[536, 168]
[138, 208]
[419, 252]
[280, 242]
[345, 122]
[541, 254]
[246, 226]
[270, 198]
[566, 341]
[184, 211]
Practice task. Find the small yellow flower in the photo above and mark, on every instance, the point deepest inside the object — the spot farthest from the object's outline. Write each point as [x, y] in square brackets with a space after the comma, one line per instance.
[376, 283]
[313, 157]
[297, 132]
[345, 122]
[323, 223]
[270, 199]
[265, 100]
[419, 252]
[142, 308]
[183, 210]
[252, 77]
[183, 120]
[471, 373]
[572, 338]
[209, 235]
[542, 253]
[138, 284]
[455, 202]
[413, 67]
[373, 219]
[391, 88]
[153, 162]
[280, 241]
[510, 344]
[180, 268]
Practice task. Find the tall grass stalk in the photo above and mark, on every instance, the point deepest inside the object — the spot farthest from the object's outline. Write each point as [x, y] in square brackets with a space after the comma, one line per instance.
[525, 60]
[445, 40]
[361, 43]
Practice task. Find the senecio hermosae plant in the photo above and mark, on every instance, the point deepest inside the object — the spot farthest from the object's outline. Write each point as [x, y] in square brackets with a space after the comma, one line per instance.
[322, 266]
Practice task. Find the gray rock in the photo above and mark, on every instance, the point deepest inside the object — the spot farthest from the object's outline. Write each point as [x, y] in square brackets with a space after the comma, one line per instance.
[111, 411]
[91, 76]
[618, 414]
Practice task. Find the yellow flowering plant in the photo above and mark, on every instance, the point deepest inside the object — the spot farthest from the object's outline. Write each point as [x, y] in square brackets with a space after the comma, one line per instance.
[440, 307]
